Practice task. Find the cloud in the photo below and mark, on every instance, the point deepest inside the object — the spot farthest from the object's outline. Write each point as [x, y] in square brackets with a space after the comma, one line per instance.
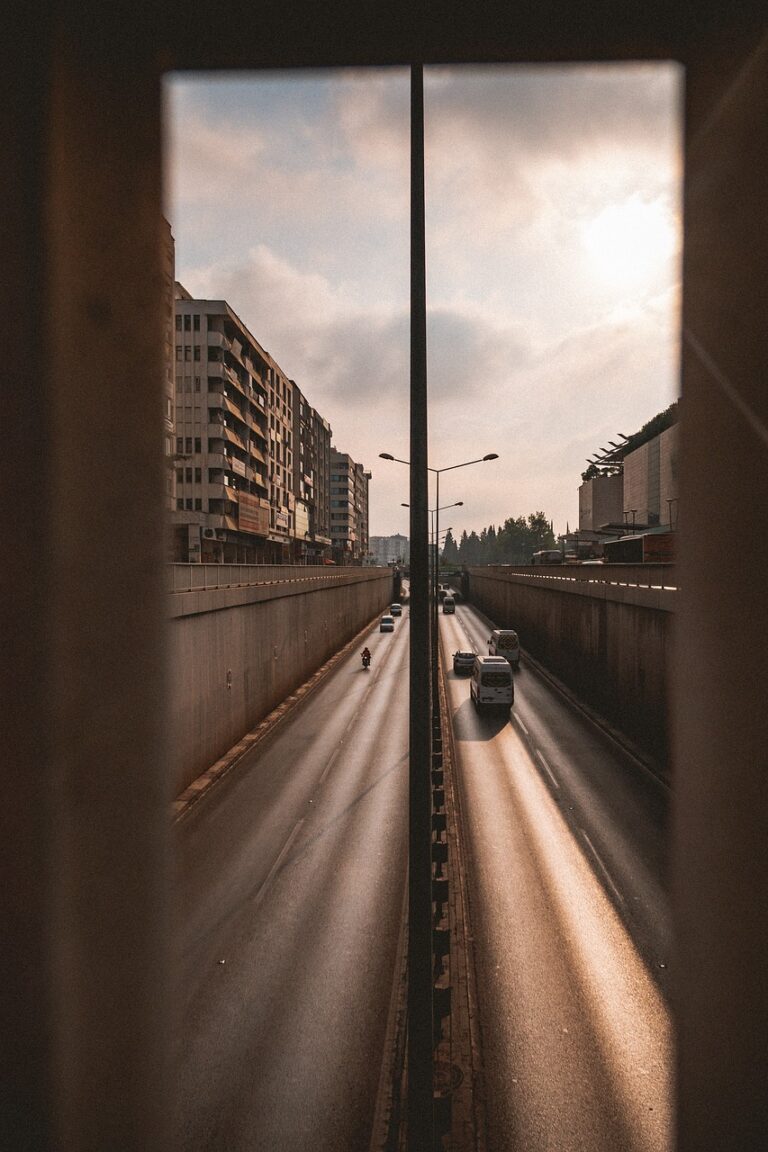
[291, 202]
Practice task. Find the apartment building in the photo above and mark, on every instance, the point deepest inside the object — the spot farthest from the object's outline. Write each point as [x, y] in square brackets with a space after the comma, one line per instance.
[311, 481]
[168, 248]
[389, 549]
[234, 430]
[349, 508]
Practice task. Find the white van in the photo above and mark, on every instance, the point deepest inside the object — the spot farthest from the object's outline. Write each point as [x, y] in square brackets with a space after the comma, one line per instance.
[449, 605]
[492, 685]
[504, 642]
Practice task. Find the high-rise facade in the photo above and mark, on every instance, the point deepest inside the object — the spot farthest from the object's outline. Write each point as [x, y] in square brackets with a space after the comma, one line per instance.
[389, 549]
[232, 439]
[650, 481]
[169, 275]
[253, 457]
[349, 508]
[642, 493]
[311, 481]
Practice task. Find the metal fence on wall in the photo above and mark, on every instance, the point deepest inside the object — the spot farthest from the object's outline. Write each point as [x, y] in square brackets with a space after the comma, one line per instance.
[198, 577]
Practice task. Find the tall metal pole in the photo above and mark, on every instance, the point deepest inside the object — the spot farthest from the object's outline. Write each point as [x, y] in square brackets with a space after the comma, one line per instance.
[420, 1126]
[436, 601]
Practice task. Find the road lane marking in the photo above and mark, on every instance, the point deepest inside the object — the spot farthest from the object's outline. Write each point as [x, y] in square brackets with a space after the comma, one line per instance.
[277, 864]
[603, 869]
[547, 768]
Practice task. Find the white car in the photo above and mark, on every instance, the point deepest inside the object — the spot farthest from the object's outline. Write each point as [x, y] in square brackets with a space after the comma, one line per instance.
[396, 609]
[492, 685]
[387, 624]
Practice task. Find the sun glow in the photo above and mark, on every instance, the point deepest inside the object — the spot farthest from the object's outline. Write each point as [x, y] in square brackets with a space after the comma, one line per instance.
[631, 243]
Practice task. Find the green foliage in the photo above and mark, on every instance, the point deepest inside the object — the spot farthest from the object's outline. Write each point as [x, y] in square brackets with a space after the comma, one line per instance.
[514, 542]
[450, 554]
[654, 427]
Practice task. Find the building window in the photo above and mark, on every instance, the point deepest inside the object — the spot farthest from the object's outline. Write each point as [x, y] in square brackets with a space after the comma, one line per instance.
[178, 322]
[188, 504]
[197, 383]
[179, 444]
[198, 505]
[179, 475]
[180, 504]
[187, 321]
[196, 322]
[178, 351]
[197, 352]
[188, 444]
[188, 475]
[187, 352]
[197, 444]
[198, 475]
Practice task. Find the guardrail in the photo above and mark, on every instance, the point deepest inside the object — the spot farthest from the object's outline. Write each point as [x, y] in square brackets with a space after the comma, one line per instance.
[201, 577]
[660, 576]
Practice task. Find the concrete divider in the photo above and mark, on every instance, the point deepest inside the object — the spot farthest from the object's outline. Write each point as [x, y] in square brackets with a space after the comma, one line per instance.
[237, 652]
[609, 643]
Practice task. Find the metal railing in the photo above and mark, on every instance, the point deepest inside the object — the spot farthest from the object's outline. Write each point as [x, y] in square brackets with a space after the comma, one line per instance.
[660, 576]
[201, 577]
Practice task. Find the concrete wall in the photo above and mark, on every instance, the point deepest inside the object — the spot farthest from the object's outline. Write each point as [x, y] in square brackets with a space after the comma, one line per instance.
[86, 1041]
[235, 653]
[609, 643]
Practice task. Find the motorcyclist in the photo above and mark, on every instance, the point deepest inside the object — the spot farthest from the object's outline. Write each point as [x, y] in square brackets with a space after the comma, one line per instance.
[366, 655]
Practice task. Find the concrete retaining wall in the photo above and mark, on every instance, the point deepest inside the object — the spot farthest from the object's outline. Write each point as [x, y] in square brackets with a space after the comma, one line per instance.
[610, 644]
[235, 653]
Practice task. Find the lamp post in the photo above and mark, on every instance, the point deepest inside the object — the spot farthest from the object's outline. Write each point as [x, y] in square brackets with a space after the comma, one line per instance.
[437, 509]
[434, 555]
[419, 1011]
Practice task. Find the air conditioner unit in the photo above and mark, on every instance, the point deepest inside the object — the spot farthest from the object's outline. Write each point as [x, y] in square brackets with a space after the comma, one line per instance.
[208, 533]
[221, 534]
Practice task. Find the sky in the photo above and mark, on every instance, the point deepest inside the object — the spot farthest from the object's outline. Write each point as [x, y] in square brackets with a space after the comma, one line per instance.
[553, 260]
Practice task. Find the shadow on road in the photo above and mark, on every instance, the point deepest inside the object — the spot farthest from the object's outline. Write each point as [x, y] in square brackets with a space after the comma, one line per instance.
[469, 724]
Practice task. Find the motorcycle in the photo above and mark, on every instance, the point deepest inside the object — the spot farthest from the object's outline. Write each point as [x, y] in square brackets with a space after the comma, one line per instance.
[366, 662]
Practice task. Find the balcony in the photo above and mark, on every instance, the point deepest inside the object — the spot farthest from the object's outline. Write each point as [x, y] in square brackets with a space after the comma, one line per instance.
[218, 340]
[222, 491]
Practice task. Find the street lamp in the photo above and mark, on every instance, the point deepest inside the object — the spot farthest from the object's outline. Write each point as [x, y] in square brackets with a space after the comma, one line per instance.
[437, 510]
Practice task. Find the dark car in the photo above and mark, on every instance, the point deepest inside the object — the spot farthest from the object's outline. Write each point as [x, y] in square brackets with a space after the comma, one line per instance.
[463, 662]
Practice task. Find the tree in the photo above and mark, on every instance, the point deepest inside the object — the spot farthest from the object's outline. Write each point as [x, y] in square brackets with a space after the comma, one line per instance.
[512, 543]
[541, 533]
[472, 548]
[450, 549]
[463, 548]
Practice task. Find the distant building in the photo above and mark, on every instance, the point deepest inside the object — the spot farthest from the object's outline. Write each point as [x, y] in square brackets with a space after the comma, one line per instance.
[650, 482]
[169, 384]
[633, 486]
[349, 509]
[390, 549]
[601, 501]
[234, 430]
[311, 481]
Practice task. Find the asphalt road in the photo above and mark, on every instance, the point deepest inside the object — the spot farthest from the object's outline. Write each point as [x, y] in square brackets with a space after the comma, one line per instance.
[289, 903]
[566, 865]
